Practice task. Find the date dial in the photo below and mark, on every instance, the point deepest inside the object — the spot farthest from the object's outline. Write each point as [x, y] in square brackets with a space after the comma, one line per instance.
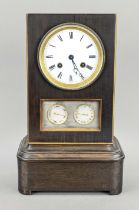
[57, 114]
[84, 114]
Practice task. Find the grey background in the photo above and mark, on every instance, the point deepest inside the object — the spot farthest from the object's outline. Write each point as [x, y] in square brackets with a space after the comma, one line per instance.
[13, 100]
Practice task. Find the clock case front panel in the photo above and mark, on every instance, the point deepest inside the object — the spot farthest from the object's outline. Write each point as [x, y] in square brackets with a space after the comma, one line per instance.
[39, 88]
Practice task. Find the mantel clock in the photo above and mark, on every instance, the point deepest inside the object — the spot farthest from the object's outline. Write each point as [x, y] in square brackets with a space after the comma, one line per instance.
[70, 142]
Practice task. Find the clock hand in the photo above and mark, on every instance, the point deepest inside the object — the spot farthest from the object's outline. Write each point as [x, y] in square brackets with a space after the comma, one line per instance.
[83, 114]
[59, 114]
[76, 70]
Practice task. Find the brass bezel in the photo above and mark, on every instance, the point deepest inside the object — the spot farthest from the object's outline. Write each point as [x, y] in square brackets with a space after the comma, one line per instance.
[80, 129]
[92, 35]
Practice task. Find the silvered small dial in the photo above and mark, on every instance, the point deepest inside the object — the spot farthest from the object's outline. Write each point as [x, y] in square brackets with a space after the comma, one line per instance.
[84, 114]
[71, 56]
[57, 114]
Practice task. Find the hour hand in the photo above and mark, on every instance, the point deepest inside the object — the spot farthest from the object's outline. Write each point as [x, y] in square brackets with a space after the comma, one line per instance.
[76, 70]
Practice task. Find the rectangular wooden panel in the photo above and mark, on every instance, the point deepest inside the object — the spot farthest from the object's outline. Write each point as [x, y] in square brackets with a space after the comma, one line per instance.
[39, 88]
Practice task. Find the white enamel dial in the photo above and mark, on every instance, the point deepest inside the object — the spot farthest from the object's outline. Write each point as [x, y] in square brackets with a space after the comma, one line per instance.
[57, 114]
[71, 56]
[84, 114]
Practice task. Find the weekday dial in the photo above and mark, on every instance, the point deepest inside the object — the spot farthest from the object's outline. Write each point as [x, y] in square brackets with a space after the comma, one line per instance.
[71, 56]
[84, 114]
[57, 114]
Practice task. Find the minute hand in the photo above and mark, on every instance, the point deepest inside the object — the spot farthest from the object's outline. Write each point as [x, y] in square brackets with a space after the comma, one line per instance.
[76, 69]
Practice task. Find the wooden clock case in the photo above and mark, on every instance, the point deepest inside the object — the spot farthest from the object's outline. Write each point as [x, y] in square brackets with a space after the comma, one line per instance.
[70, 161]
[39, 88]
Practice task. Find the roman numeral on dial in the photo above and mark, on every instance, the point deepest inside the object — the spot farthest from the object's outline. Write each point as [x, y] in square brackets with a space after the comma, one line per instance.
[52, 45]
[71, 35]
[60, 38]
[89, 46]
[89, 67]
[92, 56]
[49, 56]
[81, 38]
[52, 67]
[59, 75]
[70, 78]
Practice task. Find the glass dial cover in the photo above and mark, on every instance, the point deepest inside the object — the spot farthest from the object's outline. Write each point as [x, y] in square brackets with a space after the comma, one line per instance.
[57, 114]
[84, 114]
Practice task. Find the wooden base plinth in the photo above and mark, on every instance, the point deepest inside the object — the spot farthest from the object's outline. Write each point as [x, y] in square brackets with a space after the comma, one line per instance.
[58, 168]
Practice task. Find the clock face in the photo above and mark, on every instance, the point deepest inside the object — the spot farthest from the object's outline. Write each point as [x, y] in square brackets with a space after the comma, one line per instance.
[84, 114]
[71, 56]
[57, 114]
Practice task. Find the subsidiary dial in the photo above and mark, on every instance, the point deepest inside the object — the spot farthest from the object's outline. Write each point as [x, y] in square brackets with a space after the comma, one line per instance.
[84, 114]
[57, 114]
